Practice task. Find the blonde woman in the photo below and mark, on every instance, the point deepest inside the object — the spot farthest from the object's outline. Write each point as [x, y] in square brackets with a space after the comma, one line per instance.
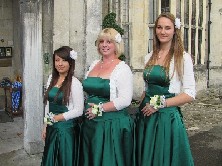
[169, 83]
[107, 130]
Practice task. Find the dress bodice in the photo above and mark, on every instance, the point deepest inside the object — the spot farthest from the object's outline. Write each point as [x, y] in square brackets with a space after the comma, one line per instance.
[96, 86]
[56, 106]
[157, 80]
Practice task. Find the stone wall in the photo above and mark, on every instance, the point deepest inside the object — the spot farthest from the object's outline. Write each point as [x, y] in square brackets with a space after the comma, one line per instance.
[216, 34]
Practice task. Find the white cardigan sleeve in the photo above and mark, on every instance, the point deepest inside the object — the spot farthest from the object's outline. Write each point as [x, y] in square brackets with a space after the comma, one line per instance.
[76, 100]
[47, 103]
[188, 77]
[124, 87]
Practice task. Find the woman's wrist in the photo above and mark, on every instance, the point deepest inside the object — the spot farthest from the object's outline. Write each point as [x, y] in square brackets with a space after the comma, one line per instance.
[165, 103]
[98, 109]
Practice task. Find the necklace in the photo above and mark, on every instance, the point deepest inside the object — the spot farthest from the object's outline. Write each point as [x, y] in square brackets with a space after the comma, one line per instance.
[102, 63]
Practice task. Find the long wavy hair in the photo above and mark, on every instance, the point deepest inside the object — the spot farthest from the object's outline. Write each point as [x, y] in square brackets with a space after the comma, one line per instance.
[64, 53]
[176, 49]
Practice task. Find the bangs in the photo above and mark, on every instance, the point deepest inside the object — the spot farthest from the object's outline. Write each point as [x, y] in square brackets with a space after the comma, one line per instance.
[106, 35]
[62, 55]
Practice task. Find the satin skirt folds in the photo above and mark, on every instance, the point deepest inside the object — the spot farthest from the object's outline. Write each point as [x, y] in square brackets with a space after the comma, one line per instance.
[61, 144]
[108, 140]
[162, 139]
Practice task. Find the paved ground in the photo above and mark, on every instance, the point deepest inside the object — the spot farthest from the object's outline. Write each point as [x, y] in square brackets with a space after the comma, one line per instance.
[203, 119]
[11, 146]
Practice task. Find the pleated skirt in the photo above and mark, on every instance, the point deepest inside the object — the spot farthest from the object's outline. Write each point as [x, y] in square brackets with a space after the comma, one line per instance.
[108, 140]
[61, 144]
[162, 139]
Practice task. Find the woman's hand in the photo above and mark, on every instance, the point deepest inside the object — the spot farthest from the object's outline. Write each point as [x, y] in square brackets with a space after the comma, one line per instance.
[148, 110]
[89, 113]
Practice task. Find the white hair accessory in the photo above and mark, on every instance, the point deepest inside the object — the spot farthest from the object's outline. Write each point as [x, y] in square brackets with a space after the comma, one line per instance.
[177, 23]
[73, 54]
[118, 38]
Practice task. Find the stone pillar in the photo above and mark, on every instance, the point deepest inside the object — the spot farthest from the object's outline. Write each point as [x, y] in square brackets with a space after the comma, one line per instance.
[138, 42]
[93, 27]
[31, 18]
[47, 37]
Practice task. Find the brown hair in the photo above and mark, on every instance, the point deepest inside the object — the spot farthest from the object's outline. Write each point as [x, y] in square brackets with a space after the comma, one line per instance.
[176, 49]
[64, 53]
[110, 34]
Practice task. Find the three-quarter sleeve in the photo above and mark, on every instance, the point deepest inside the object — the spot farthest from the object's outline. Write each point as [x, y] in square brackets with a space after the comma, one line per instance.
[47, 103]
[188, 77]
[124, 88]
[76, 101]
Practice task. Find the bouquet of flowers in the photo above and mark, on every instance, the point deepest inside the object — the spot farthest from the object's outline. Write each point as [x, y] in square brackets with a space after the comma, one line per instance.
[158, 101]
[97, 109]
[49, 119]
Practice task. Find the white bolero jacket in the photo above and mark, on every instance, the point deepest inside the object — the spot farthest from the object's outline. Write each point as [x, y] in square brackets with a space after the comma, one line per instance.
[121, 84]
[187, 85]
[76, 100]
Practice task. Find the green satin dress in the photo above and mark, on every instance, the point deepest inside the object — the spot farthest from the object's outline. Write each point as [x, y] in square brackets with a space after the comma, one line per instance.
[161, 138]
[107, 140]
[61, 143]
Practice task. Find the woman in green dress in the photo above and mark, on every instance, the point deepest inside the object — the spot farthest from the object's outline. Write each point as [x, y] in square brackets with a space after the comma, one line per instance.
[64, 102]
[169, 83]
[107, 131]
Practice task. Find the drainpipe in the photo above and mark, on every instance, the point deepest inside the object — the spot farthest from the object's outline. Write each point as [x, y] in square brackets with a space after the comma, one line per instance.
[208, 58]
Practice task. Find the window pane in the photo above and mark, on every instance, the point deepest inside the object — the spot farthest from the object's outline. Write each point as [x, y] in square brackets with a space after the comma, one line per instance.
[178, 10]
[150, 44]
[152, 11]
[186, 12]
[193, 21]
[199, 46]
[186, 39]
[165, 6]
[200, 19]
[193, 34]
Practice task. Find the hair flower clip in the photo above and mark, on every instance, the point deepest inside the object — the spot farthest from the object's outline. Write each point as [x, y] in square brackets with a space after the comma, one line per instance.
[73, 55]
[118, 38]
[177, 23]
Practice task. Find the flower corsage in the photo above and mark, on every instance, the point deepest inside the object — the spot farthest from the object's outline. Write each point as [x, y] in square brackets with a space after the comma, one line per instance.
[158, 101]
[97, 109]
[49, 119]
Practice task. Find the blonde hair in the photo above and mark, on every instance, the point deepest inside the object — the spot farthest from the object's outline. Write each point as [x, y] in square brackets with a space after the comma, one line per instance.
[176, 48]
[110, 34]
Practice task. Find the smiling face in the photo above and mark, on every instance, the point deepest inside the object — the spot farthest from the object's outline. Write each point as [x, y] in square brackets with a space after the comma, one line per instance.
[61, 65]
[164, 30]
[106, 47]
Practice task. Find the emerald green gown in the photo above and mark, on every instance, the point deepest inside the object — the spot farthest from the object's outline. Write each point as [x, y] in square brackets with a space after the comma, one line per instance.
[107, 140]
[161, 138]
[61, 143]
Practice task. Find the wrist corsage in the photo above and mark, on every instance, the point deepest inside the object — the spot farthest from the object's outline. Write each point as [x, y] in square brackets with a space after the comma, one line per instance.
[97, 109]
[158, 101]
[49, 119]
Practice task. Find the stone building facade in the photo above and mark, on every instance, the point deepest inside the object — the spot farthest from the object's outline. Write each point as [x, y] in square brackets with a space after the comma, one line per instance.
[34, 28]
